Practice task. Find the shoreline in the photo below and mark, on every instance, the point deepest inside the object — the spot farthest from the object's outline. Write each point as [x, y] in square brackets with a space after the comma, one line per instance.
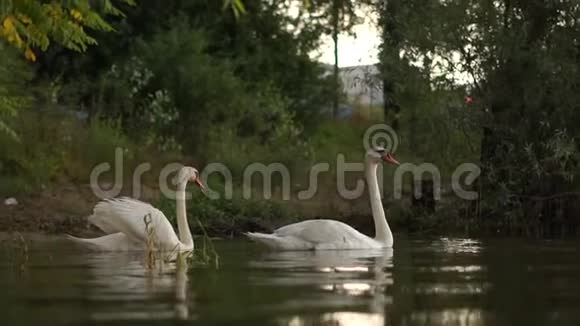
[64, 207]
[56, 209]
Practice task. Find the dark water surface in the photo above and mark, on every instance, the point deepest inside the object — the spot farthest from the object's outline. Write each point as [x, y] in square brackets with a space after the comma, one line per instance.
[435, 282]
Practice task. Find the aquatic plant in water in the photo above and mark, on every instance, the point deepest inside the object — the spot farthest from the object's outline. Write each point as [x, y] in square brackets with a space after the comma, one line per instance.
[204, 255]
[17, 252]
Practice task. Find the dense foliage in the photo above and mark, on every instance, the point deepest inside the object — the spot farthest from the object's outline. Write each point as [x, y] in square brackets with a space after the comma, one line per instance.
[186, 80]
[29, 24]
[518, 62]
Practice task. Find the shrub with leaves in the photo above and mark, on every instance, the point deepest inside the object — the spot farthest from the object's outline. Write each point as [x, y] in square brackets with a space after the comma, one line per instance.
[29, 24]
[14, 76]
[148, 112]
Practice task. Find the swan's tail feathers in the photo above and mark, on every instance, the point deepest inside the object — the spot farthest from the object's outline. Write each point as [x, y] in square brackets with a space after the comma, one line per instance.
[270, 240]
[259, 236]
[277, 242]
[89, 243]
[75, 239]
[111, 242]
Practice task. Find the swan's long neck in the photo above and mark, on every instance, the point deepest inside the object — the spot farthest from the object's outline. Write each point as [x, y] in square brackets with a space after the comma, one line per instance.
[182, 224]
[382, 231]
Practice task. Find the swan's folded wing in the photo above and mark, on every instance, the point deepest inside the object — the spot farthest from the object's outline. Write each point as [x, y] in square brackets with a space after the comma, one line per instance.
[103, 224]
[136, 219]
[320, 231]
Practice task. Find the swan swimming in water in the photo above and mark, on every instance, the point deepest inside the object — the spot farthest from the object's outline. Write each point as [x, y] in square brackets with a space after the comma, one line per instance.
[334, 235]
[127, 221]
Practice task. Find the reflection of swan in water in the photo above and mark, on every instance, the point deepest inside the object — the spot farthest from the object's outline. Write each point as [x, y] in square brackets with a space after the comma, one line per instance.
[158, 293]
[356, 276]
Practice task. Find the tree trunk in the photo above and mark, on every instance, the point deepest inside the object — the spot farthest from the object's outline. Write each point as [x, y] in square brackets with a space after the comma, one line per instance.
[335, 20]
[390, 55]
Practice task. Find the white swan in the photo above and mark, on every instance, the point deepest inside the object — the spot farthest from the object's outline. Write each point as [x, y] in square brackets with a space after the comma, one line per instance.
[130, 224]
[335, 235]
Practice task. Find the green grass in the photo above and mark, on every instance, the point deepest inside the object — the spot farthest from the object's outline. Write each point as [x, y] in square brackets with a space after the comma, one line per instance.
[55, 146]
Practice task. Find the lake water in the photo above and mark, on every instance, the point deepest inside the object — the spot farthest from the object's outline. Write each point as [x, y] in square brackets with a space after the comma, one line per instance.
[434, 282]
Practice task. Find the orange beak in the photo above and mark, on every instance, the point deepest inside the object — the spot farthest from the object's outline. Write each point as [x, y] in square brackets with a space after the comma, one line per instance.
[197, 180]
[390, 159]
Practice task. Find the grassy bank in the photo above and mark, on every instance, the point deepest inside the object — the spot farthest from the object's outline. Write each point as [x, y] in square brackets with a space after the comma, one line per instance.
[47, 169]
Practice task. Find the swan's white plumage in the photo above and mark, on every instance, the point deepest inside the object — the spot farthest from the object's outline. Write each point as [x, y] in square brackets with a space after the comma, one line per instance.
[128, 216]
[316, 235]
[134, 225]
[335, 235]
[110, 242]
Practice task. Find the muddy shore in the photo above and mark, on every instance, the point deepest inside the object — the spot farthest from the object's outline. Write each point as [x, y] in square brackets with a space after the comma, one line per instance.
[64, 208]
[58, 209]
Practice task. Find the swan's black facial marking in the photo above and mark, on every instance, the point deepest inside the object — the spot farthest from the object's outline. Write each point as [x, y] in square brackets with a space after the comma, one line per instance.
[380, 150]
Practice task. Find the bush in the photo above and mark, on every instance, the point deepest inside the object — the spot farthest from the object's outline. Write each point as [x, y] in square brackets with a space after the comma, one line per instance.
[96, 144]
[14, 79]
[229, 216]
[37, 155]
[57, 144]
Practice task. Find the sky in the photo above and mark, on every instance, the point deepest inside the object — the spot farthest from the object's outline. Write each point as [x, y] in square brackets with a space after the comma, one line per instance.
[361, 49]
